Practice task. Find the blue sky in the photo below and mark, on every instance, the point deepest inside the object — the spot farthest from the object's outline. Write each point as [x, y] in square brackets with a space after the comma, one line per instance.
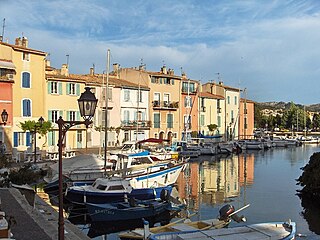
[272, 48]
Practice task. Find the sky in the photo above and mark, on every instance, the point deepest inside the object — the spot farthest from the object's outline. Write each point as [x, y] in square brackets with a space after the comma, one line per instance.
[270, 48]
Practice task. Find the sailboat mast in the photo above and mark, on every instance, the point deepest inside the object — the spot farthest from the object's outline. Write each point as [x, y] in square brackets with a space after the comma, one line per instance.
[106, 113]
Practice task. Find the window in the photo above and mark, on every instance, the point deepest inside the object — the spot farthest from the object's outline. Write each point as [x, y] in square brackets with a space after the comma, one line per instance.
[170, 120]
[126, 116]
[26, 80]
[79, 136]
[235, 100]
[71, 88]
[188, 101]
[25, 56]
[228, 99]
[232, 117]
[188, 87]
[156, 120]
[139, 95]
[126, 95]
[201, 120]
[187, 121]
[166, 99]
[72, 116]
[18, 139]
[54, 87]
[53, 116]
[219, 121]
[26, 108]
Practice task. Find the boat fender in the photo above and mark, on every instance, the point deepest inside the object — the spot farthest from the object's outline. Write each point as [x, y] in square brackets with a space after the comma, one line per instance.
[164, 195]
[225, 212]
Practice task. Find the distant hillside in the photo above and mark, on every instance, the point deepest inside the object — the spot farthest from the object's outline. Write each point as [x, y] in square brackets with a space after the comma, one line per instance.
[284, 105]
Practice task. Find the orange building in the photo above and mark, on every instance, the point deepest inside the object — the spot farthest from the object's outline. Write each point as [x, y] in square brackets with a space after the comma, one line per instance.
[7, 69]
[246, 119]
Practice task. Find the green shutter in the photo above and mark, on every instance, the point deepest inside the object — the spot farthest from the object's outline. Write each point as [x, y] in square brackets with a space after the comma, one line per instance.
[78, 116]
[50, 116]
[68, 115]
[67, 89]
[49, 87]
[61, 113]
[60, 88]
[78, 89]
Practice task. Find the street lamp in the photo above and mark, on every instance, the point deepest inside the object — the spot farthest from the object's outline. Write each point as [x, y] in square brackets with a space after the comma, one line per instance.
[37, 126]
[87, 106]
[4, 117]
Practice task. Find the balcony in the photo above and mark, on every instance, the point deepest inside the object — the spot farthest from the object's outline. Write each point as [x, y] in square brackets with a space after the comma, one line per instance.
[141, 124]
[165, 105]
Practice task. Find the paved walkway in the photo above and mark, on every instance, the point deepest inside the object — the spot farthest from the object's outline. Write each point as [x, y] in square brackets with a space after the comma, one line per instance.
[38, 222]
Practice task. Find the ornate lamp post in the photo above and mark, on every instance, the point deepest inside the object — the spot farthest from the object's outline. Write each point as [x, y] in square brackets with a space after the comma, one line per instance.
[37, 126]
[4, 117]
[87, 106]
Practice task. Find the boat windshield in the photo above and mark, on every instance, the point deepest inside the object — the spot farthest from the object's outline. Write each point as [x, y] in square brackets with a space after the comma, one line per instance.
[141, 160]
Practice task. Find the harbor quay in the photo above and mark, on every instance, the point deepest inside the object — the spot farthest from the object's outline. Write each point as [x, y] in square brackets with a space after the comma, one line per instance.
[39, 221]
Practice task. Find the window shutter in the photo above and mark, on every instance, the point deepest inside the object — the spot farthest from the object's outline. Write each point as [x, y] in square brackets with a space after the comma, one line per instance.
[15, 139]
[60, 88]
[78, 116]
[60, 114]
[50, 116]
[49, 87]
[78, 89]
[68, 115]
[28, 139]
[68, 89]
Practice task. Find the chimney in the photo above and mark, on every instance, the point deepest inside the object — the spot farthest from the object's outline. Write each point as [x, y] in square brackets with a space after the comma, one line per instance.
[164, 69]
[91, 71]
[1, 38]
[65, 70]
[142, 67]
[220, 83]
[24, 42]
[171, 71]
[48, 64]
[18, 42]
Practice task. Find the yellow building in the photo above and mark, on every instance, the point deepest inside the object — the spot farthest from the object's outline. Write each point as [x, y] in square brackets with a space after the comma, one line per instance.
[29, 81]
[165, 94]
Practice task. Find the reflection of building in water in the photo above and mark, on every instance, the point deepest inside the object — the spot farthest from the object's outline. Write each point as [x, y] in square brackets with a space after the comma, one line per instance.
[188, 185]
[220, 180]
[214, 180]
[246, 169]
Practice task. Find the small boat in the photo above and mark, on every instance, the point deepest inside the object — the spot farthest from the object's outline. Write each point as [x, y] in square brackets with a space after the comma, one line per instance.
[271, 230]
[4, 227]
[128, 210]
[112, 189]
[227, 213]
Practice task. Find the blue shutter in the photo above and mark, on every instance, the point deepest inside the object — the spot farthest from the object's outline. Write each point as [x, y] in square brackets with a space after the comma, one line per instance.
[15, 139]
[28, 139]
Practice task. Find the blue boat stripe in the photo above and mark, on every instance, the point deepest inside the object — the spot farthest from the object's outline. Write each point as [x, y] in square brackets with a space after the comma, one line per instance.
[152, 175]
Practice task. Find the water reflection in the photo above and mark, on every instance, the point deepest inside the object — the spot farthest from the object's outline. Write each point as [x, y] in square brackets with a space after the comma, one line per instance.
[311, 212]
[215, 180]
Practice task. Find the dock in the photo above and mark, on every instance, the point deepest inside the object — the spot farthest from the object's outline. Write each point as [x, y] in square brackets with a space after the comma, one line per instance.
[39, 221]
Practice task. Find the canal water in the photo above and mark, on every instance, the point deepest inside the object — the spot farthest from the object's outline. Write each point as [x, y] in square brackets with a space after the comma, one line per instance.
[264, 179]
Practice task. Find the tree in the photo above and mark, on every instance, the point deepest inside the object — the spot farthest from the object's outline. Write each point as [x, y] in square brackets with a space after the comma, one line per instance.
[212, 127]
[35, 127]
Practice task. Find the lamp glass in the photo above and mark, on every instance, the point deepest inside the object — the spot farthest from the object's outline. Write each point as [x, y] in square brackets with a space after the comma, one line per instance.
[87, 104]
[4, 116]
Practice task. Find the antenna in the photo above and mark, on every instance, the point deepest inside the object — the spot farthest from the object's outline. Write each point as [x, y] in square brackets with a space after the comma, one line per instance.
[67, 60]
[3, 25]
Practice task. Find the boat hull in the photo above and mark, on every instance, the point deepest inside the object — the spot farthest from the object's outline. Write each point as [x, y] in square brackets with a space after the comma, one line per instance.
[125, 210]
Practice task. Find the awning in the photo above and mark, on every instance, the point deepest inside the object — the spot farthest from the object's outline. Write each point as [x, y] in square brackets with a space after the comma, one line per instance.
[7, 65]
